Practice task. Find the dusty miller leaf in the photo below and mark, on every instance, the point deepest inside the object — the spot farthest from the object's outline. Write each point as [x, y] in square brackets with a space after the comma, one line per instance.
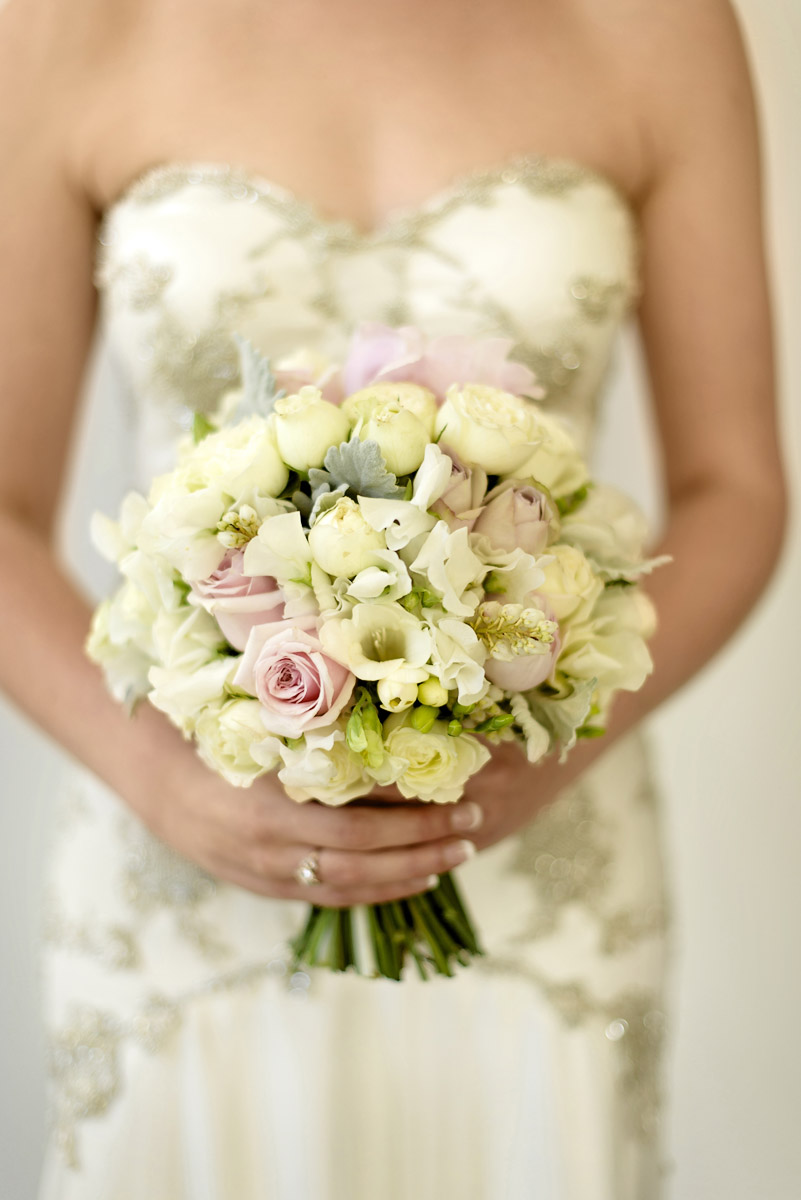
[360, 468]
[258, 382]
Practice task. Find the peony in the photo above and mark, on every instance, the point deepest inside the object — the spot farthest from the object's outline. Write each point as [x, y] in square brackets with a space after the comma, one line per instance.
[306, 427]
[555, 463]
[238, 460]
[399, 417]
[238, 601]
[487, 427]
[460, 502]
[378, 352]
[342, 542]
[437, 766]
[516, 515]
[299, 686]
[226, 734]
[379, 640]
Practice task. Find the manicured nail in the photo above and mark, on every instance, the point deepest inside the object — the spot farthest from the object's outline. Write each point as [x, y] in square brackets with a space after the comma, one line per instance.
[432, 881]
[467, 816]
[459, 852]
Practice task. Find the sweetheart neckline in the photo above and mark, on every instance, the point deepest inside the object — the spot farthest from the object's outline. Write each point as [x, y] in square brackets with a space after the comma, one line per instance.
[150, 180]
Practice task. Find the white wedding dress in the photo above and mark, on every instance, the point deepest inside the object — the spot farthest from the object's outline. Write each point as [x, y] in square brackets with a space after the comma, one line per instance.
[187, 1063]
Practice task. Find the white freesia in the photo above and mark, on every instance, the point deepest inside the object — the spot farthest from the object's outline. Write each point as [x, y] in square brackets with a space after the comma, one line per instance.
[432, 477]
[330, 595]
[514, 574]
[281, 549]
[378, 640]
[556, 462]
[457, 658]
[125, 663]
[399, 416]
[114, 539]
[487, 427]
[396, 694]
[183, 695]
[182, 528]
[400, 521]
[437, 765]
[306, 426]
[450, 568]
[186, 638]
[388, 579]
[226, 734]
[342, 541]
[570, 586]
[322, 768]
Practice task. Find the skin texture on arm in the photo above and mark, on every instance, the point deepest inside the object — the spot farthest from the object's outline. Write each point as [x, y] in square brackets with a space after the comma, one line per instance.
[706, 324]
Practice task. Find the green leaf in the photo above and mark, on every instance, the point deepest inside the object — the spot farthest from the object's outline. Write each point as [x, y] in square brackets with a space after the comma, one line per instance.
[360, 468]
[590, 731]
[422, 717]
[569, 504]
[363, 730]
[201, 427]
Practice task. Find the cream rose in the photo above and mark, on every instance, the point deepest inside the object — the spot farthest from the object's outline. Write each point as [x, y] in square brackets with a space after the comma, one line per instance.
[306, 426]
[323, 768]
[488, 428]
[570, 586]
[437, 765]
[226, 734]
[555, 462]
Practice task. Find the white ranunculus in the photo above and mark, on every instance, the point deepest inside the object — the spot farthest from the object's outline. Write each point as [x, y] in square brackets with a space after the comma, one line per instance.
[183, 694]
[437, 765]
[399, 416]
[487, 427]
[342, 542]
[556, 462]
[226, 734]
[457, 658]
[570, 586]
[306, 426]
[387, 579]
[396, 694]
[400, 521]
[377, 640]
[449, 567]
[323, 768]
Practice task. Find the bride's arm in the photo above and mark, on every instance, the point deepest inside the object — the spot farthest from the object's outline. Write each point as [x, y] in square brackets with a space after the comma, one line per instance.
[706, 324]
[253, 837]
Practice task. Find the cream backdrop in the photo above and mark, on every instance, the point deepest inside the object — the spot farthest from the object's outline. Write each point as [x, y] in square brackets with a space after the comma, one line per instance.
[729, 752]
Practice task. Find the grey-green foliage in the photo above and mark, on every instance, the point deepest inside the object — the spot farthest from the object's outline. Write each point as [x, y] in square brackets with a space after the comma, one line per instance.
[259, 392]
[355, 468]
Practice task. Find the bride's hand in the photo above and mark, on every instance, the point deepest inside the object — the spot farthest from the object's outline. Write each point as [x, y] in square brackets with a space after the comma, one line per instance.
[255, 837]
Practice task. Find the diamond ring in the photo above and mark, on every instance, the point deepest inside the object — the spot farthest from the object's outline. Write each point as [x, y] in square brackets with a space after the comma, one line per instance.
[306, 872]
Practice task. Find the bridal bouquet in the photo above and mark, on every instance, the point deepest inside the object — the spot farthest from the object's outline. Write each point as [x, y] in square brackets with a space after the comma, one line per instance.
[369, 573]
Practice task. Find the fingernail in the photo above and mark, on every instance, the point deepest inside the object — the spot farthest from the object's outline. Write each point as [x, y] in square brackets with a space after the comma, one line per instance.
[432, 881]
[467, 816]
[459, 852]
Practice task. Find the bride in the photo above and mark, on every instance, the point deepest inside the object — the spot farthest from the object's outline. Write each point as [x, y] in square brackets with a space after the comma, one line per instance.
[180, 172]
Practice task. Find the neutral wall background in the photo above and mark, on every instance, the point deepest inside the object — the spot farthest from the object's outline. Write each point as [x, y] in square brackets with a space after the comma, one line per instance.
[728, 747]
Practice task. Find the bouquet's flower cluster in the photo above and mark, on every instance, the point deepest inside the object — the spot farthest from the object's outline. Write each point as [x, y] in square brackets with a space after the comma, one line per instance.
[368, 573]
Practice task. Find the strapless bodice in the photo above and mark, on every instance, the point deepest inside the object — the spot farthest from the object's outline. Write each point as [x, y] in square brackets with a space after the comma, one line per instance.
[539, 249]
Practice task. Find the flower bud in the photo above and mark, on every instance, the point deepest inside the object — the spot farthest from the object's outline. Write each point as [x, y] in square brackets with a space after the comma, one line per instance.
[395, 695]
[399, 416]
[306, 426]
[342, 542]
[432, 692]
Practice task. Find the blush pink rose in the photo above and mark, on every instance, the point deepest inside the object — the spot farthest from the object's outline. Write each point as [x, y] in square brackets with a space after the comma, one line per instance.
[297, 684]
[239, 602]
[515, 515]
[526, 671]
[379, 352]
[460, 504]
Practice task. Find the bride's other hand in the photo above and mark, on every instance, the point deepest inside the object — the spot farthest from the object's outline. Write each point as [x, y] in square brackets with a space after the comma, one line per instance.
[255, 837]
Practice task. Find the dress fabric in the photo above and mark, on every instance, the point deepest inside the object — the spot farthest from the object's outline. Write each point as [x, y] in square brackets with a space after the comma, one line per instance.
[187, 1062]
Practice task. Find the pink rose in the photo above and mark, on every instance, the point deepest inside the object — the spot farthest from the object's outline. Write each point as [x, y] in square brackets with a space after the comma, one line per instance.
[378, 353]
[299, 686]
[525, 671]
[239, 602]
[460, 503]
[515, 515]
